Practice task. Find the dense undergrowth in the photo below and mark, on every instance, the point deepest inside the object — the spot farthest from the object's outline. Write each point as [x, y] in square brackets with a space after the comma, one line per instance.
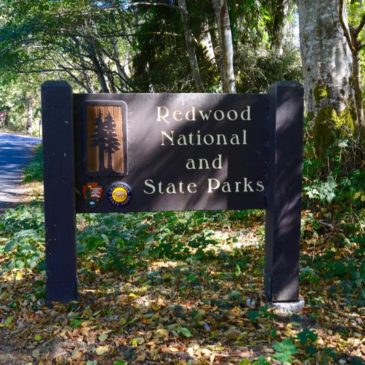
[186, 287]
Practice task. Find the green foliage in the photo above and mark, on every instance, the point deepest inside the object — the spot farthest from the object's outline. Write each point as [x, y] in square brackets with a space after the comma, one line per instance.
[14, 91]
[258, 72]
[261, 361]
[116, 241]
[22, 230]
[324, 191]
[262, 312]
[34, 170]
[284, 350]
[119, 242]
[307, 338]
[341, 180]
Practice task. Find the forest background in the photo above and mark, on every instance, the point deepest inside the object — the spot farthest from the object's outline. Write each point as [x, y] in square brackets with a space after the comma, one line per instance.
[191, 46]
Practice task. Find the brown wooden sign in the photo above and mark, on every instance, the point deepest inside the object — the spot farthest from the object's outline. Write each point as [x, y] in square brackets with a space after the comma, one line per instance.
[105, 139]
[153, 152]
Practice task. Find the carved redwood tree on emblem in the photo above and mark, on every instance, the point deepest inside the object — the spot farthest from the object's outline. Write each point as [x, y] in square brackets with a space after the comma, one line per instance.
[105, 143]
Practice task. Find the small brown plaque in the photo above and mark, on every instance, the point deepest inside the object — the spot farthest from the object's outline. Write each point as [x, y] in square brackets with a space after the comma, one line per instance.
[105, 146]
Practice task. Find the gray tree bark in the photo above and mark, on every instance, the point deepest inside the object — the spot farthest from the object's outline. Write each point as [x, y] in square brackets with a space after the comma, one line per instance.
[190, 46]
[326, 56]
[226, 45]
[327, 69]
[355, 45]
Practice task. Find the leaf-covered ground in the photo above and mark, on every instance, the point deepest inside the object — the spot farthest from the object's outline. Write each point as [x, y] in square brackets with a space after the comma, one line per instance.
[179, 288]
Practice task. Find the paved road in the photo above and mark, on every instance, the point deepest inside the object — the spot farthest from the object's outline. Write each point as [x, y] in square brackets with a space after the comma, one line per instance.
[15, 153]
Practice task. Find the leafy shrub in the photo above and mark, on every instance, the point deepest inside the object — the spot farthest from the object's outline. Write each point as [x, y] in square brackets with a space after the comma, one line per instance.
[22, 230]
[284, 350]
[34, 170]
[120, 242]
[324, 191]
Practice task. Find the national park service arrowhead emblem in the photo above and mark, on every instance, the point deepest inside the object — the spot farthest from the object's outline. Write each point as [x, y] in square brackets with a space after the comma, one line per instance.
[92, 193]
[119, 193]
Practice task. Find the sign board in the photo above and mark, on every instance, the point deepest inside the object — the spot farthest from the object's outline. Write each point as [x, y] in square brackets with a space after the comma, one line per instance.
[177, 152]
[157, 152]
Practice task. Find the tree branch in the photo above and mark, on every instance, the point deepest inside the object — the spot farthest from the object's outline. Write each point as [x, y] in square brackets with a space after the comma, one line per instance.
[43, 70]
[359, 28]
[345, 29]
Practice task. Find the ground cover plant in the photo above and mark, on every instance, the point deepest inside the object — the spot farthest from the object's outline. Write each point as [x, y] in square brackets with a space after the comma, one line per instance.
[186, 287]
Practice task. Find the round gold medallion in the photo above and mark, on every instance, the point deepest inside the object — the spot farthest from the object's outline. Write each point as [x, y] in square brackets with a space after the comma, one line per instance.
[119, 193]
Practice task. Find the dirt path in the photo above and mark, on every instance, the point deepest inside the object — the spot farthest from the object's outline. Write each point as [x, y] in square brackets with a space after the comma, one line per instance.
[15, 152]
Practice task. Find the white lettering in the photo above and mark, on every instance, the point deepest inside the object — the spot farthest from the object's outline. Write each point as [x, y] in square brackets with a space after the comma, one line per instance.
[243, 186]
[226, 187]
[169, 137]
[181, 140]
[149, 183]
[164, 115]
[205, 139]
[203, 164]
[221, 140]
[190, 164]
[260, 186]
[216, 115]
[177, 115]
[235, 140]
[247, 185]
[246, 113]
[213, 184]
[190, 115]
[191, 188]
[204, 114]
[244, 137]
[160, 117]
[217, 163]
[235, 115]
[170, 188]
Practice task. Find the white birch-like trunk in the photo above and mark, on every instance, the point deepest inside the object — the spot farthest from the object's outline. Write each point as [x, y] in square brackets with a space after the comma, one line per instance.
[226, 45]
[207, 43]
[327, 69]
[326, 57]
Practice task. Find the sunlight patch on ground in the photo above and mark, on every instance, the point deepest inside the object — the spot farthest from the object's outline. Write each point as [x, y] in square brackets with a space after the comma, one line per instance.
[230, 240]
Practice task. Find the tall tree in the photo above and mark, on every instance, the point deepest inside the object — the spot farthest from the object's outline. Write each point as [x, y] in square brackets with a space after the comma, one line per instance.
[226, 45]
[327, 68]
[190, 46]
[356, 42]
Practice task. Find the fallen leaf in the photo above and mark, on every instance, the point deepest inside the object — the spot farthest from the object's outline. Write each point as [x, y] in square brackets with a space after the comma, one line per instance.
[185, 332]
[101, 350]
[103, 337]
[233, 333]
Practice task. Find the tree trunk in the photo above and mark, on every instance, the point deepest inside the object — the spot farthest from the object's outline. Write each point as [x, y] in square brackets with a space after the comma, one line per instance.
[226, 45]
[206, 42]
[124, 78]
[97, 67]
[357, 89]
[327, 68]
[190, 46]
[354, 43]
[280, 26]
[29, 123]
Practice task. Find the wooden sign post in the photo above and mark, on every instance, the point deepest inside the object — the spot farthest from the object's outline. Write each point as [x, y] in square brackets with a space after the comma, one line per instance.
[157, 152]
